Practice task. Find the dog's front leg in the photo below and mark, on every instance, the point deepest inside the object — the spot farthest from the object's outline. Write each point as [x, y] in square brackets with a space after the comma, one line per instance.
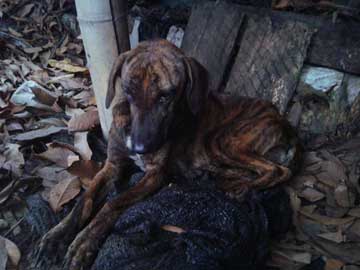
[84, 248]
[55, 242]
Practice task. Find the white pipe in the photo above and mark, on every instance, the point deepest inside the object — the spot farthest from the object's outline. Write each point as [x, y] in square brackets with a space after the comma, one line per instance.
[99, 38]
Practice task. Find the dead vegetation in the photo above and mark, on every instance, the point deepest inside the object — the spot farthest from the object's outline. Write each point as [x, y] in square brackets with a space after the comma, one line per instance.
[48, 113]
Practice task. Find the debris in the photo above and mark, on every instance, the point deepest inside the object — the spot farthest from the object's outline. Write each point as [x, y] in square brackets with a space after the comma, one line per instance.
[81, 145]
[86, 170]
[3, 254]
[336, 237]
[300, 257]
[31, 94]
[3, 224]
[14, 159]
[84, 121]
[355, 212]
[333, 264]
[13, 253]
[312, 195]
[344, 197]
[67, 66]
[327, 220]
[175, 35]
[60, 155]
[351, 267]
[63, 192]
[174, 229]
[134, 36]
[38, 133]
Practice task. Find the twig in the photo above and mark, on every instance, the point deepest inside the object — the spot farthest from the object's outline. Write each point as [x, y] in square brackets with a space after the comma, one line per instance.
[14, 226]
[18, 42]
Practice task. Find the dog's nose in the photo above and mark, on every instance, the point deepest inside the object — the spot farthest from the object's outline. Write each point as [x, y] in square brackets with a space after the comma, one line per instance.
[139, 148]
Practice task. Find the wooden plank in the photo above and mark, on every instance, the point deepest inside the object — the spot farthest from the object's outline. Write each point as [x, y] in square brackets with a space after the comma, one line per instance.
[269, 60]
[211, 37]
[334, 45]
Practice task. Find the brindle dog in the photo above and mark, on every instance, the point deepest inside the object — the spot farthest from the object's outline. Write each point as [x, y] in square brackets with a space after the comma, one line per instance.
[166, 117]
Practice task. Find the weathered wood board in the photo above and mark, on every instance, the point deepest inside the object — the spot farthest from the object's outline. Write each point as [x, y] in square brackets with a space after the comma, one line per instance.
[211, 36]
[247, 56]
[269, 60]
[334, 45]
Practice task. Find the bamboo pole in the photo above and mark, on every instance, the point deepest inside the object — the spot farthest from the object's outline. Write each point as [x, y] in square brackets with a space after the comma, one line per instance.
[104, 30]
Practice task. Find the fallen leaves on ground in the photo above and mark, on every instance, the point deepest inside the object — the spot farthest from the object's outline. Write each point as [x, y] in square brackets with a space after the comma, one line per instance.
[63, 192]
[326, 210]
[44, 82]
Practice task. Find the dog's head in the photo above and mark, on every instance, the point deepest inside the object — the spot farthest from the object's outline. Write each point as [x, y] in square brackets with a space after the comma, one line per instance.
[156, 79]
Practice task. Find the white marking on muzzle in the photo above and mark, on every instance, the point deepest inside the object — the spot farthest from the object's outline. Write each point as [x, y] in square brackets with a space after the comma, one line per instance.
[128, 142]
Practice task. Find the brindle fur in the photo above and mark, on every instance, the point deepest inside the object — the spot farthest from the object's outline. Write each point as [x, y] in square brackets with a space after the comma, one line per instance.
[165, 113]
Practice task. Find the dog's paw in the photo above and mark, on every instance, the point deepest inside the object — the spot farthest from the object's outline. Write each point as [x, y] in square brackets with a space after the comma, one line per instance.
[82, 251]
[48, 253]
[54, 243]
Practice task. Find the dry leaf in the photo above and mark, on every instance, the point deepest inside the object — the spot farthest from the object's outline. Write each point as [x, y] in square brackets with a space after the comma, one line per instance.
[33, 50]
[327, 220]
[333, 264]
[355, 212]
[38, 133]
[347, 252]
[68, 81]
[44, 96]
[86, 98]
[309, 208]
[51, 176]
[14, 126]
[172, 228]
[332, 174]
[13, 252]
[66, 65]
[344, 197]
[31, 94]
[336, 237]
[64, 192]
[60, 155]
[300, 257]
[312, 195]
[81, 145]
[86, 170]
[84, 122]
[14, 32]
[14, 159]
[6, 192]
[26, 10]
[73, 112]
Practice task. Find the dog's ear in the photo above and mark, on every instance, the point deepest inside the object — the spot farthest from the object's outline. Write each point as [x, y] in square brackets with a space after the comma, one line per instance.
[114, 74]
[197, 84]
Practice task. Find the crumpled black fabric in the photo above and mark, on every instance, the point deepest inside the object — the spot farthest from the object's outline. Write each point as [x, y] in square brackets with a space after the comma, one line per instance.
[220, 233]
